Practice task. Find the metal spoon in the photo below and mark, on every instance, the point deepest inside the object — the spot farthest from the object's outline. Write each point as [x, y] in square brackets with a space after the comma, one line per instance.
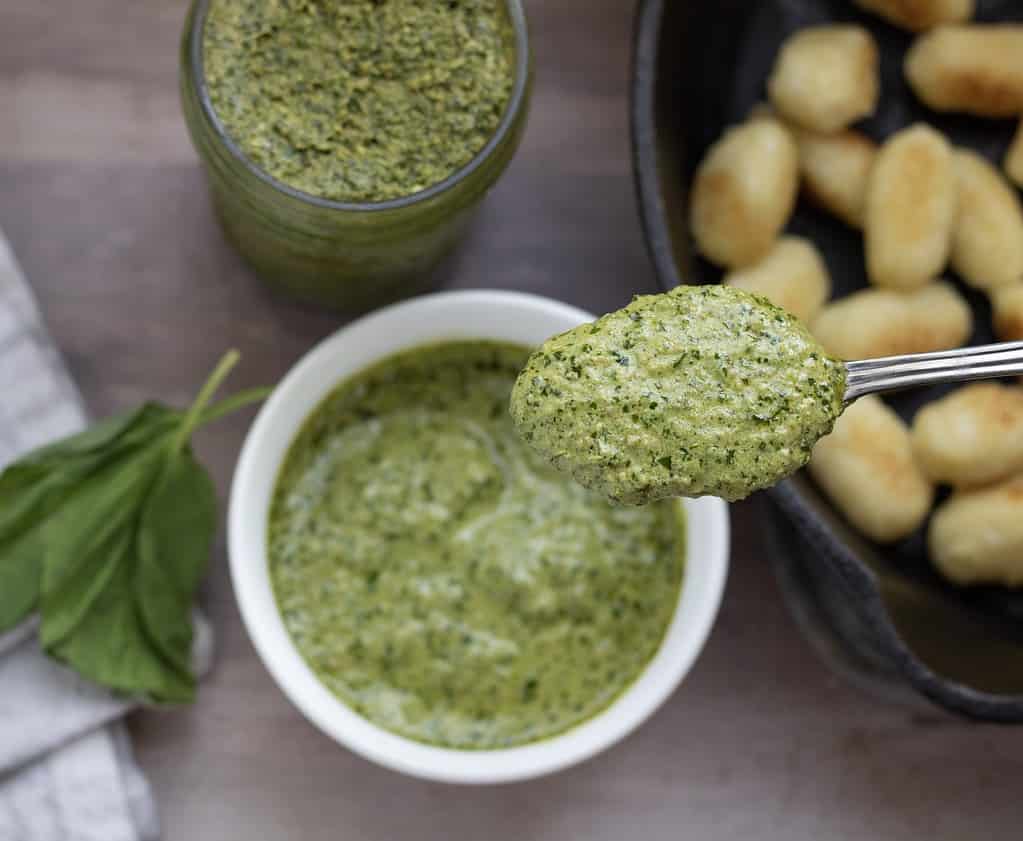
[890, 373]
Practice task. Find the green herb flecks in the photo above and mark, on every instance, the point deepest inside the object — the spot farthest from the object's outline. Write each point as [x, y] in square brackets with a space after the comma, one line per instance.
[107, 534]
[443, 581]
[359, 100]
[701, 390]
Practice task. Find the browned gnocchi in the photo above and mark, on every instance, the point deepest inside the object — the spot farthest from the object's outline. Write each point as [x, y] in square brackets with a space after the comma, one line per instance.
[987, 239]
[922, 206]
[910, 209]
[866, 468]
[826, 77]
[971, 437]
[976, 536]
[1014, 158]
[918, 15]
[835, 169]
[973, 68]
[744, 191]
[1007, 312]
[792, 276]
[882, 322]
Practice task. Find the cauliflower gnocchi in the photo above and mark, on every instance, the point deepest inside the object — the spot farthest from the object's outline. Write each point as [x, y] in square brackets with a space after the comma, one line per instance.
[971, 437]
[1007, 312]
[987, 239]
[826, 77]
[976, 536]
[910, 209]
[744, 191]
[1014, 158]
[977, 69]
[918, 15]
[792, 276]
[866, 468]
[835, 170]
[882, 322]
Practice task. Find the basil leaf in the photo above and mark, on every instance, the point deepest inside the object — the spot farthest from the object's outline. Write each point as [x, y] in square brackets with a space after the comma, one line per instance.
[109, 644]
[19, 578]
[175, 534]
[103, 434]
[81, 538]
[37, 485]
[108, 533]
[120, 574]
[29, 491]
[27, 494]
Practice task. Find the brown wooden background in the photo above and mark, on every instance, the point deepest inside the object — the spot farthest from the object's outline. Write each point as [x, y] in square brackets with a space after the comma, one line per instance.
[103, 202]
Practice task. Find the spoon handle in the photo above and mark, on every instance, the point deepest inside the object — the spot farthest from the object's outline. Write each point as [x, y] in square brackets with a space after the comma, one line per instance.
[890, 373]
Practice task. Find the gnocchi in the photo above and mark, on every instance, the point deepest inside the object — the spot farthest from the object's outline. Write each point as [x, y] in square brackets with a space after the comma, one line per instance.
[835, 169]
[987, 239]
[922, 205]
[971, 437]
[910, 209]
[977, 69]
[1007, 312]
[882, 322]
[917, 15]
[866, 467]
[976, 536]
[1014, 158]
[792, 276]
[826, 77]
[744, 191]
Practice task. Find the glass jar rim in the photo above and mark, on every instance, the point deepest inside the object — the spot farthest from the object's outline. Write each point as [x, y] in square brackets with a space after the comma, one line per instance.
[516, 100]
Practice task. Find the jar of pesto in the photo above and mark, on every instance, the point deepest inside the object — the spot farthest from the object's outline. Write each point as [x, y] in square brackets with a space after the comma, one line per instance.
[348, 142]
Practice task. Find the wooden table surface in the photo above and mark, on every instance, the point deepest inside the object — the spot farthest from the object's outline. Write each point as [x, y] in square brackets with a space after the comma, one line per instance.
[102, 199]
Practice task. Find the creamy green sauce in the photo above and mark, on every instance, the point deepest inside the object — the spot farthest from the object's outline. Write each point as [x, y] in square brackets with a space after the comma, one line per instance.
[704, 390]
[445, 582]
[359, 100]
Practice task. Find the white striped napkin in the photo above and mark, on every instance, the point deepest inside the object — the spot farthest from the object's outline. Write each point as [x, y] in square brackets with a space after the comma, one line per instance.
[66, 768]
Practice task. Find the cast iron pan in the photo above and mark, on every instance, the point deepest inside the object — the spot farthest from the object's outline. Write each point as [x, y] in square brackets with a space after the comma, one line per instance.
[699, 66]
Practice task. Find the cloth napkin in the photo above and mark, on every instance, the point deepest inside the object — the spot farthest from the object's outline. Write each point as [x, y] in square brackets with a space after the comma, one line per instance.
[66, 767]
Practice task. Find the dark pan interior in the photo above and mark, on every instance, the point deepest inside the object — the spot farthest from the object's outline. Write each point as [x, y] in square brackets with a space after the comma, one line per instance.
[701, 66]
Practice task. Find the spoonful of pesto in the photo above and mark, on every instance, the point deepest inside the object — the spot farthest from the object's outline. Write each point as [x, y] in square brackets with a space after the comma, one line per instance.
[704, 390]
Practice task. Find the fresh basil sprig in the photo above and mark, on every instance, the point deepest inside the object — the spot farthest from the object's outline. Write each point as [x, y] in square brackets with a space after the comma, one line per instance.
[107, 534]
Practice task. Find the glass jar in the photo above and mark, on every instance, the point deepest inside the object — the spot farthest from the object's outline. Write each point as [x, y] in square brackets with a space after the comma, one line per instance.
[344, 255]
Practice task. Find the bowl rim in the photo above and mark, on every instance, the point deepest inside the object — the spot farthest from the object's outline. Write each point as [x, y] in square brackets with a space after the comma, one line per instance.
[446, 316]
[862, 584]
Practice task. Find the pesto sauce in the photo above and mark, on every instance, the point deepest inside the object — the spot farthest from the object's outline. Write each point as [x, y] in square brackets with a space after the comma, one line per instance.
[703, 390]
[359, 100]
[445, 582]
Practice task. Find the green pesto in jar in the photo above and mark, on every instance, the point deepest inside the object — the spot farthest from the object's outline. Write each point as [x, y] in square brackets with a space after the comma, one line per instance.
[445, 582]
[703, 390]
[359, 100]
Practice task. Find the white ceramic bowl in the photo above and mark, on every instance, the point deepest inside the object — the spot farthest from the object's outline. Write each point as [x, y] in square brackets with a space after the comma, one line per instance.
[498, 316]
